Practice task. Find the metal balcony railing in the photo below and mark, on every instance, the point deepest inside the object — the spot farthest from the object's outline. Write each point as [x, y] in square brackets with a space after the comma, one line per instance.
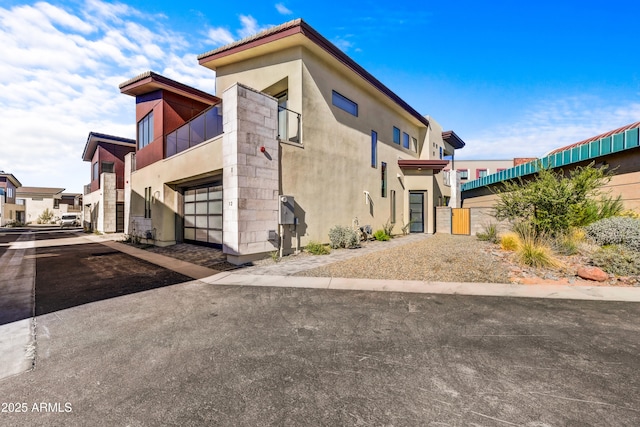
[289, 125]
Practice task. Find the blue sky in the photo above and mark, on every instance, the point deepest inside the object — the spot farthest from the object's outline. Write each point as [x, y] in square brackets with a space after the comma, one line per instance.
[511, 78]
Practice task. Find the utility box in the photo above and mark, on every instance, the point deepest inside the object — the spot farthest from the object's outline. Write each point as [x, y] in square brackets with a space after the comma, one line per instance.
[286, 209]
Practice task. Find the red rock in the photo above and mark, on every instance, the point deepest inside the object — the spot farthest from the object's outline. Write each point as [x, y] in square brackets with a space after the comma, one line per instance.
[592, 273]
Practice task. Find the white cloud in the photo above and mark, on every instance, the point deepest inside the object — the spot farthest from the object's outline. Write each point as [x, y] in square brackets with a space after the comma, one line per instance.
[282, 9]
[551, 124]
[59, 80]
[220, 36]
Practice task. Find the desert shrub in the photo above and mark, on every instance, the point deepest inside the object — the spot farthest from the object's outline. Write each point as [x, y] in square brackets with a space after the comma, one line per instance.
[618, 260]
[534, 253]
[381, 235]
[45, 217]
[616, 231]
[343, 237]
[630, 213]
[552, 202]
[388, 228]
[489, 233]
[510, 241]
[317, 248]
[569, 243]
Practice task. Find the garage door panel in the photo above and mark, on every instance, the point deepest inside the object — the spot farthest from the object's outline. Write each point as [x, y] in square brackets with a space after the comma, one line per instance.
[201, 208]
[190, 233]
[201, 221]
[215, 236]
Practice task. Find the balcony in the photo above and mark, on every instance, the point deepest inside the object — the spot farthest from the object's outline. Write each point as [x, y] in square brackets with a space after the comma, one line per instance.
[289, 125]
[201, 128]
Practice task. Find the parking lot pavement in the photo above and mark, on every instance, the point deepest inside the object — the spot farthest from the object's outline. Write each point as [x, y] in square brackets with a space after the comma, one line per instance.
[197, 354]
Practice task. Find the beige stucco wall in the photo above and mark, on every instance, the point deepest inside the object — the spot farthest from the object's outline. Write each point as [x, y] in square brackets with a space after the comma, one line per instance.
[199, 162]
[8, 212]
[330, 172]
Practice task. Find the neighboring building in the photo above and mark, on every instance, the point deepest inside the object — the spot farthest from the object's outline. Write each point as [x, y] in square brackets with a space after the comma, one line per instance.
[299, 139]
[103, 205]
[12, 208]
[618, 148]
[38, 199]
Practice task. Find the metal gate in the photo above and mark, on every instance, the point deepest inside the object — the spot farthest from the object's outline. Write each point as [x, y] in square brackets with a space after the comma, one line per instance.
[461, 221]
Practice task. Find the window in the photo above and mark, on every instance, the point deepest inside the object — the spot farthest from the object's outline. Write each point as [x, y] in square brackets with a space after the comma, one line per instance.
[56, 203]
[383, 167]
[147, 202]
[392, 215]
[396, 135]
[107, 167]
[95, 172]
[500, 169]
[446, 177]
[145, 131]
[464, 173]
[414, 144]
[374, 149]
[481, 173]
[440, 153]
[9, 192]
[405, 140]
[345, 103]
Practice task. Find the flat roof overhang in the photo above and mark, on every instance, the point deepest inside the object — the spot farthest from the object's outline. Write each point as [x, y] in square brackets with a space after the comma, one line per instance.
[452, 139]
[433, 165]
[149, 82]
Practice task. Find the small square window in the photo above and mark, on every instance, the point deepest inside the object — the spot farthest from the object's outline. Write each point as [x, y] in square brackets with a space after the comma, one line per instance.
[107, 167]
[481, 173]
[405, 140]
[464, 173]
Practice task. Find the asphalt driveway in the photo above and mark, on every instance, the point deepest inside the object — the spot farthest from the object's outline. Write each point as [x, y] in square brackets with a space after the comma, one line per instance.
[199, 354]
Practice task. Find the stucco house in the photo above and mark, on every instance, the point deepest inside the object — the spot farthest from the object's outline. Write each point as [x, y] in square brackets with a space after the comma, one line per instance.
[12, 208]
[103, 201]
[619, 149]
[298, 138]
[38, 199]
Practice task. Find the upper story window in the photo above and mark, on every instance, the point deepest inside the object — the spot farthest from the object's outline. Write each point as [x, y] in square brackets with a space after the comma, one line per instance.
[107, 167]
[396, 135]
[95, 172]
[414, 144]
[9, 192]
[344, 103]
[405, 140]
[145, 131]
[481, 173]
[374, 149]
[464, 173]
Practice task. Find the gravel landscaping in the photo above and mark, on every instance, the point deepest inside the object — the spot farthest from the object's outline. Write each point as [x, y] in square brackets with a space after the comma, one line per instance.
[441, 258]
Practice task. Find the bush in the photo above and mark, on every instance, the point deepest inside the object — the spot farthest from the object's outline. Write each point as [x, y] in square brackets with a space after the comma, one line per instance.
[489, 234]
[569, 243]
[343, 237]
[381, 236]
[616, 231]
[510, 241]
[617, 260]
[45, 217]
[553, 202]
[536, 254]
[317, 248]
[388, 228]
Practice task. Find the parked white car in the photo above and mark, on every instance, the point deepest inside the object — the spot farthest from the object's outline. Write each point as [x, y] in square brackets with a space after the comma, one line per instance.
[69, 220]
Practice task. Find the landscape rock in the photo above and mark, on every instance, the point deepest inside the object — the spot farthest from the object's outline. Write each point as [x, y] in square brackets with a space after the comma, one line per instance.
[592, 273]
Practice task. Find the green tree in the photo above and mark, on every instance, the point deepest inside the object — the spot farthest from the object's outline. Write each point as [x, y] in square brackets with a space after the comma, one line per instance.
[46, 216]
[552, 202]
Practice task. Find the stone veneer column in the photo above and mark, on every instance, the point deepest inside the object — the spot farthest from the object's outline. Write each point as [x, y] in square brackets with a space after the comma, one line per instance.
[107, 214]
[250, 176]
